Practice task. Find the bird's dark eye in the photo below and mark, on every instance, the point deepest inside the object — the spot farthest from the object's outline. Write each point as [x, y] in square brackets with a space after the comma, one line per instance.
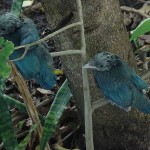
[101, 66]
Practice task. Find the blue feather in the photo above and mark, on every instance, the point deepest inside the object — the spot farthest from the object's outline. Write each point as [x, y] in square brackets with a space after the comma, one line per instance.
[114, 87]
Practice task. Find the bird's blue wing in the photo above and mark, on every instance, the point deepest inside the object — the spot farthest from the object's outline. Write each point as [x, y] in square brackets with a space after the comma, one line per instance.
[29, 66]
[140, 84]
[28, 32]
[46, 77]
[115, 87]
[27, 39]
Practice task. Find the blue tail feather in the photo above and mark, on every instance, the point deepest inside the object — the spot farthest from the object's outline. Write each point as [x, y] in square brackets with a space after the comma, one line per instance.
[142, 103]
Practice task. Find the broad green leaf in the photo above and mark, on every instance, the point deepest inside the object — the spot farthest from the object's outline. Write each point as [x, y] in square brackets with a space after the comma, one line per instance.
[6, 126]
[60, 102]
[2, 58]
[20, 125]
[2, 40]
[20, 106]
[6, 72]
[2, 83]
[6, 48]
[142, 28]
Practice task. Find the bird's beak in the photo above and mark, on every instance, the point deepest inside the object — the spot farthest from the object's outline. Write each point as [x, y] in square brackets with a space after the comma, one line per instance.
[89, 65]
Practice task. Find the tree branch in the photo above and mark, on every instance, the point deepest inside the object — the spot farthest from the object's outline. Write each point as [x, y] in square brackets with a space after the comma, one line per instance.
[129, 9]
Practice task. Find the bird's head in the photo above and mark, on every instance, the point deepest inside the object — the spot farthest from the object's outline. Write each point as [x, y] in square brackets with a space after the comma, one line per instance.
[103, 61]
[9, 22]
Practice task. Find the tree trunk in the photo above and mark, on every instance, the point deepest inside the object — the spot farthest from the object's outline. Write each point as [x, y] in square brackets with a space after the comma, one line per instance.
[113, 128]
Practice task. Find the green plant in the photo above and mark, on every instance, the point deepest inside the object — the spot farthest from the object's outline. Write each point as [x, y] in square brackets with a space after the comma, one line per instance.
[6, 126]
[142, 28]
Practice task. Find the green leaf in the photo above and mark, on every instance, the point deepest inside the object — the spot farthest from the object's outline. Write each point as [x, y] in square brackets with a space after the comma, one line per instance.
[6, 126]
[16, 7]
[5, 70]
[142, 28]
[20, 125]
[2, 83]
[2, 40]
[20, 106]
[6, 48]
[2, 59]
[60, 102]
[7, 133]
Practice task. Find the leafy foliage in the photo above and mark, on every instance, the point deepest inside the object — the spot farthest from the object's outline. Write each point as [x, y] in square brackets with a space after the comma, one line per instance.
[60, 102]
[20, 106]
[142, 28]
[6, 48]
[6, 126]
[16, 7]
[18, 4]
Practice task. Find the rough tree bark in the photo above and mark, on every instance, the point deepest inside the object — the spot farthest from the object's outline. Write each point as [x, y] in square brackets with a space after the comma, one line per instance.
[113, 127]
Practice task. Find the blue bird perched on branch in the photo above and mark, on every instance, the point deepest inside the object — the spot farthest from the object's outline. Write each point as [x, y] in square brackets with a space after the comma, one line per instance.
[37, 63]
[118, 82]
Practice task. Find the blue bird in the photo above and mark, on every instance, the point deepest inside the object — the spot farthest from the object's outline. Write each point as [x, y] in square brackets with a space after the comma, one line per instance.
[37, 63]
[118, 82]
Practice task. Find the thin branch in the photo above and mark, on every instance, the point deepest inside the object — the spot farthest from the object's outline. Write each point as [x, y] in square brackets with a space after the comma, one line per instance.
[43, 103]
[1, 145]
[129, 9]
[16, 119]
[49, 36]
[145, 75]
[67, 136]
[54, 54]
[22, 56]
[99, 103]
[86, 88]
[67, 52]
[22, 134]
